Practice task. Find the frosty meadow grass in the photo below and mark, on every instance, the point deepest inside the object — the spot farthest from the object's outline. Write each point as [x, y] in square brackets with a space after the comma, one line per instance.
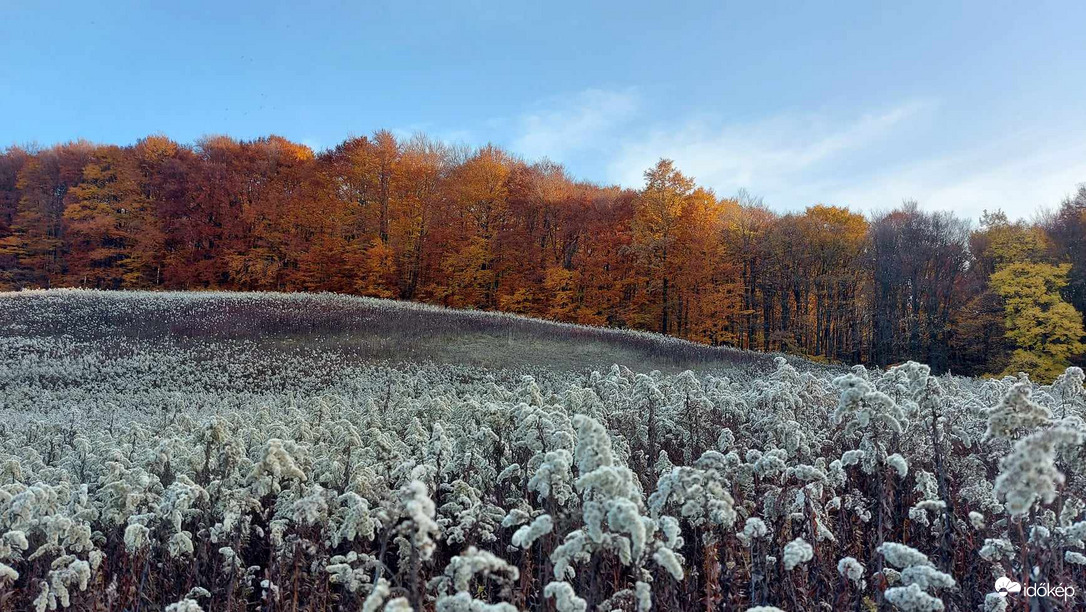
[188, 452]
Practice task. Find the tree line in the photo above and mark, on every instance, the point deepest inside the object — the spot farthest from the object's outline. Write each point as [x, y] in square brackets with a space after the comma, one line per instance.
[481, 228]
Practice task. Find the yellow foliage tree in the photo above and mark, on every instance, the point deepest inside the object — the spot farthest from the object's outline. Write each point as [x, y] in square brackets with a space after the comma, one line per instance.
[1045, 330]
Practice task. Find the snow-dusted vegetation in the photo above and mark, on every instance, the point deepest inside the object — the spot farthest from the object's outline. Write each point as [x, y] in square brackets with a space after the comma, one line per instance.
[150, 465]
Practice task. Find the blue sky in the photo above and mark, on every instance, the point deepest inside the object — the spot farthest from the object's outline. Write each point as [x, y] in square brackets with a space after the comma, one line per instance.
[961, 106]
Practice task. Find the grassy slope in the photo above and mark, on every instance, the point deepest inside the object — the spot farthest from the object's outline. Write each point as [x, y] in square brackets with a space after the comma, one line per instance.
[364, 329]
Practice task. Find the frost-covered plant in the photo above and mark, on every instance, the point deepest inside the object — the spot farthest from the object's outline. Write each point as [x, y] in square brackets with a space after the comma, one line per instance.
[699, 493]
[1016, 413]
[753, 529]
[862, 406]
[797, 552]
[918, 576]
[852, 569]
[565, 598]
[275, 466]
[185, 605]
[1029, 473]
[464, 568]
[874, 418]
[418, 510]
[541, 526]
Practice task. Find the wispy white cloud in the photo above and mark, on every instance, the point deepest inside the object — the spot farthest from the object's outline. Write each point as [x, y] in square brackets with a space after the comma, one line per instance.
[1020, 174]
[870, 161]
[565, 126]
[762, 155]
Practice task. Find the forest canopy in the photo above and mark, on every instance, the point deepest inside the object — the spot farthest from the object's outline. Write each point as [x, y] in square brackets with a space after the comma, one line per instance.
[416, 219]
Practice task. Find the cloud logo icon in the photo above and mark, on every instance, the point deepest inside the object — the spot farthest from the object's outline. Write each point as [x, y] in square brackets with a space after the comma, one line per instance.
[1005, 586]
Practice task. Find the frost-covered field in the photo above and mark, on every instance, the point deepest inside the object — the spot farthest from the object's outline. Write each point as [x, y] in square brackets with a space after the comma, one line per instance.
[224, 452]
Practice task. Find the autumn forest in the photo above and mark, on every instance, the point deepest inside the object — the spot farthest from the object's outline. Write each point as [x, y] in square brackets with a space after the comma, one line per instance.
[415, 219]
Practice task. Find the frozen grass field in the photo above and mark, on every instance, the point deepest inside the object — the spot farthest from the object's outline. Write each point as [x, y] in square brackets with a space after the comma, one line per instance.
[353, 328]
[233, 452]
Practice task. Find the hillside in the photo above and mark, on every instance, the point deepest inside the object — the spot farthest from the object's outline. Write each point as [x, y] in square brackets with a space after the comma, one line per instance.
[354, 329]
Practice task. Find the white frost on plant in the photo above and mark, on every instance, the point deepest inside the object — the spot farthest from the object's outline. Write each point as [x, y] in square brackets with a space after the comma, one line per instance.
[185, 605]
[1074, 558]
[912, 598]
[852, 569]
[377, 597]
[1016, 412]
[275, 466]
[464, 567]
[899, 464]
[902, 556]
[669, 561]
[797, 552]
[399, 604]
[419, 508]
[136, 537]
[995, 602]
[976, 519]
[524, 536]
[918, 575]
[1029, 473]
[565, 599]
